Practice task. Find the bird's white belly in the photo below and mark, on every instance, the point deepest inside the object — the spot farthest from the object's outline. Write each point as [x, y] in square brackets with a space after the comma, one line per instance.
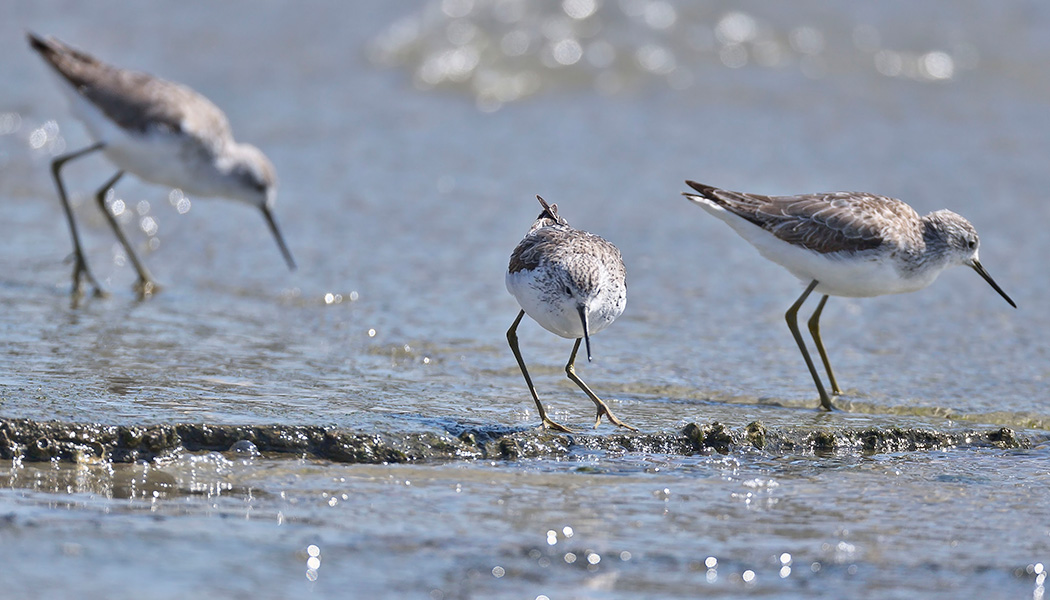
[155, 157]
[860, 275]
[552, 309]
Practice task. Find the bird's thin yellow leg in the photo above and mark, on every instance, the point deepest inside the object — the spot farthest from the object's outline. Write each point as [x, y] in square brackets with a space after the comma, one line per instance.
[814, 330]
[80, 266]
[512, 338]
[792, 321]
[570, 370]
[145, 285]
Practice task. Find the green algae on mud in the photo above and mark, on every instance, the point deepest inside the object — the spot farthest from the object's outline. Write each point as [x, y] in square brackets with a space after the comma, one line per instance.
[30, 440]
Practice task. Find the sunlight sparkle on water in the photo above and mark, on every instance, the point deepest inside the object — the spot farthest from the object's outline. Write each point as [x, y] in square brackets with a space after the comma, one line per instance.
[579, 9]
[736, 28]
[938, 65]
[179, 200]
[515, 43]
[10, 122]
[659, 14]
[501, 51]
[457, 8]
[567, 51]
[148, 225]
[313, 561]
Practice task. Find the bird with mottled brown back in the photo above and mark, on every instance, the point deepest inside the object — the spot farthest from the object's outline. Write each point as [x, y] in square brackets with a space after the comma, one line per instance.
[161, 131]
[573, 283]
[845, 244]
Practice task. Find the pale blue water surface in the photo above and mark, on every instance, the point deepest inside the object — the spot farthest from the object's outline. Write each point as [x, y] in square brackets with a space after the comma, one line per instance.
[410, 139]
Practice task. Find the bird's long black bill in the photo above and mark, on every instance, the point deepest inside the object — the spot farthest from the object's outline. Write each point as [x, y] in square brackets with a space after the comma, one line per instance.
[280, 239]
[586, 335]
[980, 271]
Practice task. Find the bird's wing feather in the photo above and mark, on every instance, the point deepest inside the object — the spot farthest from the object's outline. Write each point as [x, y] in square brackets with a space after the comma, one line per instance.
[824, 222]
[136, 101]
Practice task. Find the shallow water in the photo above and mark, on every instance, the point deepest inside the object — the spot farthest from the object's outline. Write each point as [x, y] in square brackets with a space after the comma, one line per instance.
[410, 144]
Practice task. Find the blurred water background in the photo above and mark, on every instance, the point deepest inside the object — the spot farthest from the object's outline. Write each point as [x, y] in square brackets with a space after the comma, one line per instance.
[410, 139]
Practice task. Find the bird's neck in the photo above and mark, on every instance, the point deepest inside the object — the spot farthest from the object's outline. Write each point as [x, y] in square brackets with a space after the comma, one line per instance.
[934, 248]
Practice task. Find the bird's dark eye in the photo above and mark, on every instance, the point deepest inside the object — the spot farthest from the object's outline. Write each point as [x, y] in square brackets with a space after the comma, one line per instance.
[568, 291]
[972, 244]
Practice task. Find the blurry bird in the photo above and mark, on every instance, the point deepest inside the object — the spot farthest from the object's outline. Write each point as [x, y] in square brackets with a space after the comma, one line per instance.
[164, 133]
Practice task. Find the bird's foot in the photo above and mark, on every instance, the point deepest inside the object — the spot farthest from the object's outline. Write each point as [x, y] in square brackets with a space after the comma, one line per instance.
[145, 288]
[549, 423]
[81, 273]
[603, 409]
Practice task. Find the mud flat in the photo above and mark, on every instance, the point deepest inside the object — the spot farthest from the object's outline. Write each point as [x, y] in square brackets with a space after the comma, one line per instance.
[86, 442]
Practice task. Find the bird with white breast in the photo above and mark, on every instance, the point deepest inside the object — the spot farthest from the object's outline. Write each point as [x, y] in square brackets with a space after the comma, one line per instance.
[163, 132]
[852, 244]
[573, 283]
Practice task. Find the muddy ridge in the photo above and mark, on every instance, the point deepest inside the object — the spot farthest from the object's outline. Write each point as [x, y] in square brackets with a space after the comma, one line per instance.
[87, 442]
